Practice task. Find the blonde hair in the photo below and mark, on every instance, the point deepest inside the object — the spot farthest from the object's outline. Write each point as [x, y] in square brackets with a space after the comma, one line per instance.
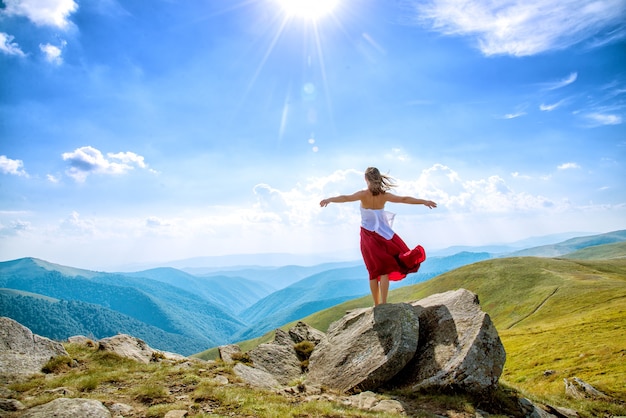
[378, 183]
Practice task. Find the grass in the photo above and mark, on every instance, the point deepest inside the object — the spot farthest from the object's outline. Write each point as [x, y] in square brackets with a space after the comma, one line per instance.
[567, 316]
[557, 318]
[156, 388]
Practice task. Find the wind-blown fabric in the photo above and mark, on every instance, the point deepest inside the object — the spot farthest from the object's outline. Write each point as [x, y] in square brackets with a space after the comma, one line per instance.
[384, 252]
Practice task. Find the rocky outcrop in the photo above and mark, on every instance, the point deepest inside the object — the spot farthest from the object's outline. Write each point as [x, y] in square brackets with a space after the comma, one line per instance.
[366, 348]
[441, 342]
[228, 353]
[459, 346]
[23, 353]
[69, 408]
[130, 347]
[278, 359]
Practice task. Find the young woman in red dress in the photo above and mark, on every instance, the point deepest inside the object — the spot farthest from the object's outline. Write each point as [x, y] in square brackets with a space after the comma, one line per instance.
[385, 254]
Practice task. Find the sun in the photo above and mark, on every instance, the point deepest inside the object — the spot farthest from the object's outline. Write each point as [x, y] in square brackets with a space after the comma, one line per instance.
[308, 9]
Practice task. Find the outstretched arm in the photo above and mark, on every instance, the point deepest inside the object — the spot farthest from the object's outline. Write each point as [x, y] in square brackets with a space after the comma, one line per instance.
[410, 200]
[342, 198]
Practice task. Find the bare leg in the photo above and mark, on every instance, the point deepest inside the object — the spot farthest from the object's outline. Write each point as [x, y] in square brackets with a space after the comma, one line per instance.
[384, 287]
[375, 291]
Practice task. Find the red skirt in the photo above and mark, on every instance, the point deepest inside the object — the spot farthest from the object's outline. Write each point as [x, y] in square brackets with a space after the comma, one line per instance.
[389, 256]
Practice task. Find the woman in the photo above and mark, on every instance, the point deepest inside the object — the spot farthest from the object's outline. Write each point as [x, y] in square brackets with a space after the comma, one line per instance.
[386, 255]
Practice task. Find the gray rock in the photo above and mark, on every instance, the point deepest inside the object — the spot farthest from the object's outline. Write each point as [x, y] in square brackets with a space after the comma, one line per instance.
[120, 409]
[9, 405]
[280, 361]
[23, 353]
[69, 408]
[282, 338]
[459, 346]
[369, 401]
[255, 377]
[81, 339]
[531, 410]
[303, 332]
[366, 348]
[176, 413]
[127, 346]
[130, 347]
[579, 389]
[226, 352]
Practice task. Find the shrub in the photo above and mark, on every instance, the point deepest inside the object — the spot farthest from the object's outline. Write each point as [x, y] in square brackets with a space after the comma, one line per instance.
[242, 358]
[57, 364]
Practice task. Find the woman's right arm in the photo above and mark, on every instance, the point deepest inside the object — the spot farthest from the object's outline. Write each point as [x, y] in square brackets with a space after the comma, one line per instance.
[410, 200]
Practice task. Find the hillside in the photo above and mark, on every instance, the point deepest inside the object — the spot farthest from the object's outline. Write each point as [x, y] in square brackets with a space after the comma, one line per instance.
[153, 303]
[552, 314]
[231, 292]
[63, 319]
[599, 252]
[571, 245]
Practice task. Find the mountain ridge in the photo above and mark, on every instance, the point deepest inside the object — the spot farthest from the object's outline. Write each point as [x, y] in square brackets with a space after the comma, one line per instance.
[217, 309]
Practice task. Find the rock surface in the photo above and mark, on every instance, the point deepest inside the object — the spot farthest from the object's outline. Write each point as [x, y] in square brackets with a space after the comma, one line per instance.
[23, 353]
[130, 347]
[226, 352]
[255, 377]
[279, 360]
[459, 346]
[69, 408]
[366, 348]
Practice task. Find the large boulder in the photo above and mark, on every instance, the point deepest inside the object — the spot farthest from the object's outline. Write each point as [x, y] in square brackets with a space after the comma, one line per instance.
[459, 347]
[366, 348]
[281, 361]
[23, 353]
[69, 408]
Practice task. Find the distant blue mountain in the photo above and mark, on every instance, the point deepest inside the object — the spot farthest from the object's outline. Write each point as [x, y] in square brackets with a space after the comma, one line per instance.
[183, 312]
[232, 292]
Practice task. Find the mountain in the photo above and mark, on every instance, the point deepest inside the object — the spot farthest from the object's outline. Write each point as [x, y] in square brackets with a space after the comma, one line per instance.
[59, 319]
[562, 315]
[600, 252]
[571, 245]
[232, 292]
[214, 309]
[309, 295]
[278, 277]
[151, 302]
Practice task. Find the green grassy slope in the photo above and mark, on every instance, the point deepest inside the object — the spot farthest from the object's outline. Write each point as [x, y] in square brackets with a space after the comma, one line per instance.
[600, 252]
[567, 316]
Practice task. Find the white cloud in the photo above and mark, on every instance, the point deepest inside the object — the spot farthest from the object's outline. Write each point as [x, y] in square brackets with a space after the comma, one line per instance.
[14, 167]
[51, 53]
[562, 83]
[75, 225]
[550, 107]
[568, 166]
[600, 119]
[88, 160]
[8, 47]
[42, 12]
[156, 222]
[14, 228]
[526, 27]
[514, 115]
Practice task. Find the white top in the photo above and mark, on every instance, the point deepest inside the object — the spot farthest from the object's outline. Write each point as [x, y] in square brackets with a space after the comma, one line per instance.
[378, 220]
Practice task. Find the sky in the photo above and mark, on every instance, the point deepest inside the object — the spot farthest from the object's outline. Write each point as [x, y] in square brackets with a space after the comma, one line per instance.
[144, 132]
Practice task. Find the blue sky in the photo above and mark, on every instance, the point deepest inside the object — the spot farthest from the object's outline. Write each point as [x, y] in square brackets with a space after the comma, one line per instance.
[135, 131]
